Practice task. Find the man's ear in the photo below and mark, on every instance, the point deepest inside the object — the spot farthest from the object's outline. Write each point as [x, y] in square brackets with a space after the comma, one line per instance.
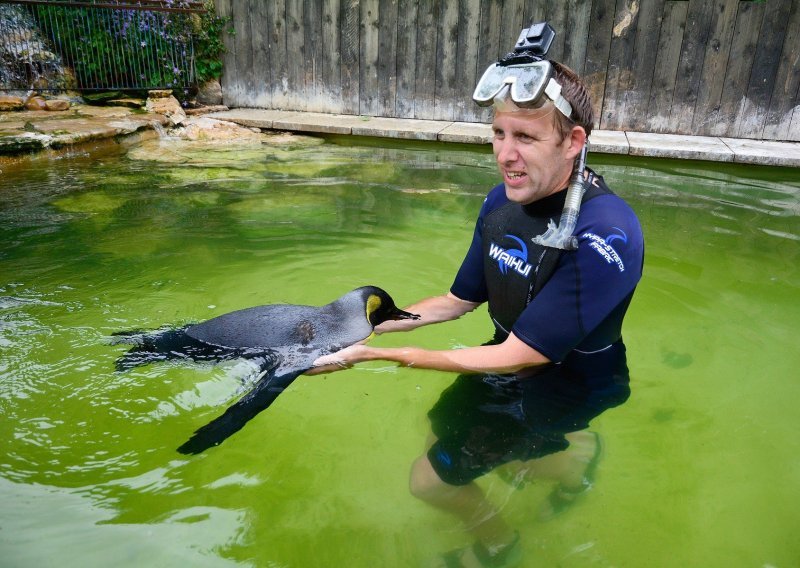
[577, 139]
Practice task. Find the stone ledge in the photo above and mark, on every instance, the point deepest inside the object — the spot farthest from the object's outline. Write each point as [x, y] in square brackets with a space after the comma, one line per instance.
[763, 152]
[677, 146]
[27, 131]
[602, 141]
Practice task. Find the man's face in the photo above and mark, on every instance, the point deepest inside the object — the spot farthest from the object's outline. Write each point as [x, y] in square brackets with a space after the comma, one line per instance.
[530, 154]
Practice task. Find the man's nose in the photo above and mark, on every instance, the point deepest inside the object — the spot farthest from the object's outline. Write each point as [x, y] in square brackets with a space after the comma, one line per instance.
[505, 151]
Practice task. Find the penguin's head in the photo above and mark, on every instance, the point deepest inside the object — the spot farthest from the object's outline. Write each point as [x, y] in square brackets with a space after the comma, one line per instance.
[380, 306]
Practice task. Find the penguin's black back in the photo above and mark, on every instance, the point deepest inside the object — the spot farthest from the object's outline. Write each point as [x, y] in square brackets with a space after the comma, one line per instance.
[284, 325]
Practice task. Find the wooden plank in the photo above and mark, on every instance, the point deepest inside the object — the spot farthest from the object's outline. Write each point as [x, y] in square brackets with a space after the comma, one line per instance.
[576, 32]
[794, 126]
[740, 63]
[295, 61]
[706, 118]
[368, 72]
[786, 94]
[312, 56]
[243, 85]
[511, 23]
[634, 109]
[670, 38]
[601, 24]
[467, 67]
[279, 71]
[557, 17]
[261, 95]
[535, 11]
[350, 49]
[489, 48]
[750, 124]
[446, 54]
[620, 79]
[690, 68]
[406, 58]
[425, 81]
[329, 90]
[229, 69]
[387, 58]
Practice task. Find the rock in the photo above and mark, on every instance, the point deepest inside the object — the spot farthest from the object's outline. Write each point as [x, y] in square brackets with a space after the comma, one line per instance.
[101, 97]
[8, 102]
[168, 107]
[22, 143]
[36, 103]
[205, 110]
[210, 93]
[127, 103]
[159, 94]
[56, 104]
[204, 128]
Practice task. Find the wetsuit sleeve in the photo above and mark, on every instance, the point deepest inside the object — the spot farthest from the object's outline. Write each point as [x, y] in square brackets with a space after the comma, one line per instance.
[470, 282]
[582, 305]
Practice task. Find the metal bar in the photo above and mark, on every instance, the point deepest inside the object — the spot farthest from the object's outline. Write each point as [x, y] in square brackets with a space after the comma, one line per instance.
[194, 7]
[117, 61]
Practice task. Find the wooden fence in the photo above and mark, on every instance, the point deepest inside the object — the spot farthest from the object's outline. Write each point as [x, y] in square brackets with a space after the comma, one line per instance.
[706, 67]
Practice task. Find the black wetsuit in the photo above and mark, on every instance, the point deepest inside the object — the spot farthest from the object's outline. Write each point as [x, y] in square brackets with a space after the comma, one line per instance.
[567, 305]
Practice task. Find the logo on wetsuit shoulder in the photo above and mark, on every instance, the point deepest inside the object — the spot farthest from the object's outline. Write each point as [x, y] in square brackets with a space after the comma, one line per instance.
[603, 246]
[514, 259]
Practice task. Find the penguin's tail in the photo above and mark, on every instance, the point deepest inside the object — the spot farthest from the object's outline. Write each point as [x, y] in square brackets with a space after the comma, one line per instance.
[151, 346]
[238, 414]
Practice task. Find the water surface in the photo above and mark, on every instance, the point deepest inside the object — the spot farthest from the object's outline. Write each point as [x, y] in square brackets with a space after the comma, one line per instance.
[700, 467]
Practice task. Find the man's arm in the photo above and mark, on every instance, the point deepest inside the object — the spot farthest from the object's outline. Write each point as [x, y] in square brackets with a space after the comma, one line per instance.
[435, 309]
[507, 357]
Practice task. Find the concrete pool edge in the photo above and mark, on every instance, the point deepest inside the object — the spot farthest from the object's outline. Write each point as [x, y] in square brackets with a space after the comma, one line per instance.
[716, 149]
[25, 133]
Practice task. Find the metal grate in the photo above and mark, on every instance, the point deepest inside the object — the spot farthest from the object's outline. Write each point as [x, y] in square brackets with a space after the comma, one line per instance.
[97, 45]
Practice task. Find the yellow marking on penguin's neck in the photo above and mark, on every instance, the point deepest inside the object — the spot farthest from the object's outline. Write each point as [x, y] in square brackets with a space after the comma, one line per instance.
[373, 303]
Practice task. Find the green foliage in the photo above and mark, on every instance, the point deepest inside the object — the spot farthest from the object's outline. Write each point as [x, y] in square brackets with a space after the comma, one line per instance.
[208, 43]
[119, 49]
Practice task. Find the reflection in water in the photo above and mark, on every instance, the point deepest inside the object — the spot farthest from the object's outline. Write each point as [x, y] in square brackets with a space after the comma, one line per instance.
[534, 424]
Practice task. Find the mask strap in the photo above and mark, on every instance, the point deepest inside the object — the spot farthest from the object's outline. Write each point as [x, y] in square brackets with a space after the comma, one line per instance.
[553, 92]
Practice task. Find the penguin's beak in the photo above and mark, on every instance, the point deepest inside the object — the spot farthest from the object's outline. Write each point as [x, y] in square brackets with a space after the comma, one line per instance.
[398, 314]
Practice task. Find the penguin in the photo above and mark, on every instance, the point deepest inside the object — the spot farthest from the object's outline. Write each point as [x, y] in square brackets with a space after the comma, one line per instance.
[282, 339]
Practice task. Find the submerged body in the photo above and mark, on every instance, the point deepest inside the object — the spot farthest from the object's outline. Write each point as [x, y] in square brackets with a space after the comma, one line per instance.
[282, 339]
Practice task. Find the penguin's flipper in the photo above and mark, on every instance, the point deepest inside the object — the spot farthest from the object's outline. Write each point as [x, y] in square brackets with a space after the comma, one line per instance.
[163, 344]
[268, 388]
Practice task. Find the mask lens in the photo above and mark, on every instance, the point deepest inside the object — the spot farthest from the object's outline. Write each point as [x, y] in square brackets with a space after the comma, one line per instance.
[529, 85]
[489, 85]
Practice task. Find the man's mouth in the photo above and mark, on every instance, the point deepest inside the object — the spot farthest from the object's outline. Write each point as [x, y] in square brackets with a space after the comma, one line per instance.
[515, 176]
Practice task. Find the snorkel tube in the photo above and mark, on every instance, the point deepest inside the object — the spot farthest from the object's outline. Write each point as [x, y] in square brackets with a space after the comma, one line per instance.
[526, 78]
[561, 236]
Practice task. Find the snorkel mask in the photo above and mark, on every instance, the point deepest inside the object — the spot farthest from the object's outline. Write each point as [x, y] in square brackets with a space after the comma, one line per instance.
[524, 75]
[524, 79]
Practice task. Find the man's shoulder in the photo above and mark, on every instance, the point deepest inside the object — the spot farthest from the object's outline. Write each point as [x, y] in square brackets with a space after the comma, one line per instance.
[494, 199]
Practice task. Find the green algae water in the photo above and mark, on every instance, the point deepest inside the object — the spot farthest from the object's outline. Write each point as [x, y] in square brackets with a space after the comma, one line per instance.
[700, 465]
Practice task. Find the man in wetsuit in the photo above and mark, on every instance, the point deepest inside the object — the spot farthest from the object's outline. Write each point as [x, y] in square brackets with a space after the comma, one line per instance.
[557, 358]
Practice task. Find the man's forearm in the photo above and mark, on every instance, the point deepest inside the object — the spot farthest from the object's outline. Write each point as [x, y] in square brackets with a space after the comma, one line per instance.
[507, 357]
